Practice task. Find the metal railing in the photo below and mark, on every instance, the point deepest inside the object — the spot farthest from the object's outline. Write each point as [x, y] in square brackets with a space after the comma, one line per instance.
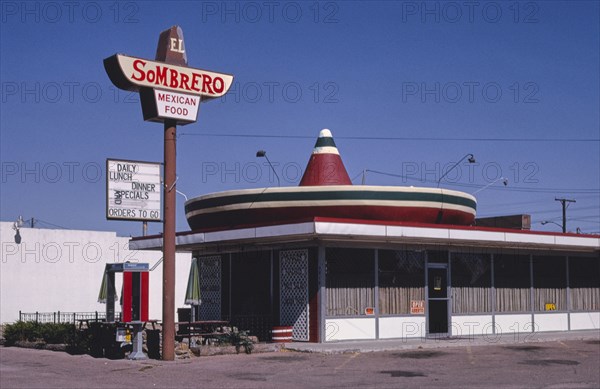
[61, 317]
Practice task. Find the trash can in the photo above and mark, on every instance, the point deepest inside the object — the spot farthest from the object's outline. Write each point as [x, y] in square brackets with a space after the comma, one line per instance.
[282, 334]
[183, 315]
[153, 343]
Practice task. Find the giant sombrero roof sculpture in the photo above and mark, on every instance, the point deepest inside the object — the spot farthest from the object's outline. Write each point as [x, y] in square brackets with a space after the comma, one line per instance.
[326, 190]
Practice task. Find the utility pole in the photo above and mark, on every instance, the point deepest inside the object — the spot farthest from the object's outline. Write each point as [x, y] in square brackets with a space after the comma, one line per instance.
[564, 211]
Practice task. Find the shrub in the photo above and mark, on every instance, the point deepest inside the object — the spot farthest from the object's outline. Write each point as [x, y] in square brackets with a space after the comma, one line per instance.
[238, 339]
[57, 333]
[51, 333]
[22, 331]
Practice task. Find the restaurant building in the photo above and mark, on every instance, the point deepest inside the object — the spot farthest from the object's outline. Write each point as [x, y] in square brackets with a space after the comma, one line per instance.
[337, 261]
[59, 271]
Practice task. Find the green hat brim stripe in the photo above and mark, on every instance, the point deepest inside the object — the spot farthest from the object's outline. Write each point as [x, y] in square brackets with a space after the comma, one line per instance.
[331, 195]
[325, 142]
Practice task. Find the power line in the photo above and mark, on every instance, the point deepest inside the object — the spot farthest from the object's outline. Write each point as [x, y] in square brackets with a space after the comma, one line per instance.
[508, 188]
[51, 224]
[591, 207]
[518, 203]
[587, 219]
[396, 138]
[583, 218]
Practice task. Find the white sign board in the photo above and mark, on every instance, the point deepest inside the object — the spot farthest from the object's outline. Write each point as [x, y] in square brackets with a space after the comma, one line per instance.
[133, 73]
[173, 105]
[133, 190]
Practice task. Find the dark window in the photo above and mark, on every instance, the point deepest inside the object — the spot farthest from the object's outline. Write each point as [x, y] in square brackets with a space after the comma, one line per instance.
[584, 283]
[251, 283]
[437, 256]
[549, 283]
[350, 281]
[512, 283]
[471, 283]
[401, 280]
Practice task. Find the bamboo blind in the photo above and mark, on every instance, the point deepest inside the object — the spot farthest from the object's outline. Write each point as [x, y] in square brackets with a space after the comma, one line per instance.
[348, 296]
[585, 299]
[396, 300]
[513, 299]
[471, 300]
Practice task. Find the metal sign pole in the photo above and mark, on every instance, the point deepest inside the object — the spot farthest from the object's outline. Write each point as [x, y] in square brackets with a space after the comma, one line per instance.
[168, 339]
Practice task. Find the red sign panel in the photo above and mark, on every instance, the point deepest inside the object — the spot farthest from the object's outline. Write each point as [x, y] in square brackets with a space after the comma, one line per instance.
[417, 307]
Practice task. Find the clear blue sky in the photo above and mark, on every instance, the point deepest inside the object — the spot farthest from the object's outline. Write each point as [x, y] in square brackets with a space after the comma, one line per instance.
[406, 89]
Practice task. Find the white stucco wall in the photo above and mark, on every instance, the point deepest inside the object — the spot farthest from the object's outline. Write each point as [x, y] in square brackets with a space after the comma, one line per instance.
[402, 327]
[349, 329]
[469, 325]
[585, 320]
[551, 322]
[514, 323]
[61, 270]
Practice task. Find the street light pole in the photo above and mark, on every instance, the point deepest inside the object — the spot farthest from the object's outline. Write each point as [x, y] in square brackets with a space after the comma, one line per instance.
[550, 222]
[504, 181]
[471, 160]
[262, 153]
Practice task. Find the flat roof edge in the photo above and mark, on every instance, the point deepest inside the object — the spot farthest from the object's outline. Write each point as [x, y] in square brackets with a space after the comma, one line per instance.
[187, 240]
[374, 232]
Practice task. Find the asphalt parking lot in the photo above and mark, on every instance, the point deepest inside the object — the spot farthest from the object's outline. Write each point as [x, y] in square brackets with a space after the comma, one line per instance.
[553, 364]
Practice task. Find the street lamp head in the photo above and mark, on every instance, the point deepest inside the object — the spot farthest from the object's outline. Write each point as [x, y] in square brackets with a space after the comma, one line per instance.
[505, 181]
[471, 159]
[550, 222]
[263, 153]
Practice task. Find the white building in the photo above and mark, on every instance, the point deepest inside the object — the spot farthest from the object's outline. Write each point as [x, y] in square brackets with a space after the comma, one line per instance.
[61, 270]
[334, 261]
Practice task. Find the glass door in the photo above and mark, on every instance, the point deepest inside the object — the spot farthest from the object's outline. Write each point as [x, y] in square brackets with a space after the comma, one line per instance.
[437, 299]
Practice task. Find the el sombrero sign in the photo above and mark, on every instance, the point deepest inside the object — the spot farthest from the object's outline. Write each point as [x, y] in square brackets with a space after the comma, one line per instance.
[169, 89]
[170, 92]
[131, 73]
